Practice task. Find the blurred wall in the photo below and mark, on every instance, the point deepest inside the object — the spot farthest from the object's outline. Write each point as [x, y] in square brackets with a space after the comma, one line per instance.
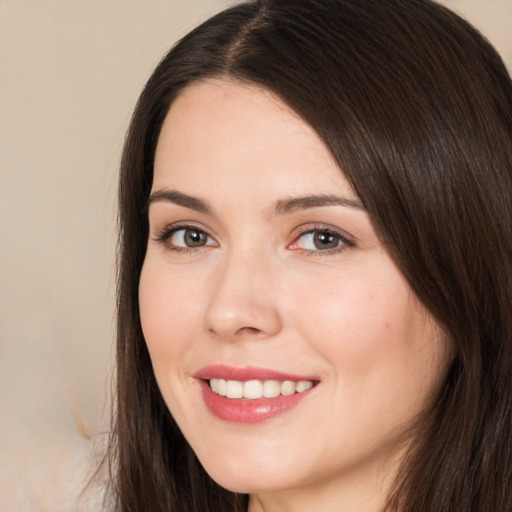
[70, 73]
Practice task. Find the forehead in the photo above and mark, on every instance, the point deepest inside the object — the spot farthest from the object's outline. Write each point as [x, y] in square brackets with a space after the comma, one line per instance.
[222, 131]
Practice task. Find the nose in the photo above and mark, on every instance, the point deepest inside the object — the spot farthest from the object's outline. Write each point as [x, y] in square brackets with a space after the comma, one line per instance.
[244, 299]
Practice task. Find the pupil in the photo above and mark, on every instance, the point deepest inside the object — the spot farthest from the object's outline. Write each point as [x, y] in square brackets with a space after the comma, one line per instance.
[194, 238]
[325, 240]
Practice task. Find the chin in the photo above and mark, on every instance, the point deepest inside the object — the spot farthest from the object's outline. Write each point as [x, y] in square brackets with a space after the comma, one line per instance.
[247, 484]
[249, 478]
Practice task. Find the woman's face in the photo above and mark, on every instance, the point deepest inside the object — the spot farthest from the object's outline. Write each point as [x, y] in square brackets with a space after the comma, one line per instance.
[265, 280]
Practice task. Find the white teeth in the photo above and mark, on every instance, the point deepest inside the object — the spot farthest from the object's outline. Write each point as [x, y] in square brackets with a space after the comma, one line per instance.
[222, 387]
[304, 385]
[214, 384]
[271, 388]
[234, 389]
[287, 388]
[254, 389]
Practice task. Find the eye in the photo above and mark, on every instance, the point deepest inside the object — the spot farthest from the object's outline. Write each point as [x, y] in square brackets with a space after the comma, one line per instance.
[184, 238]
[321, 240]
[189, 237]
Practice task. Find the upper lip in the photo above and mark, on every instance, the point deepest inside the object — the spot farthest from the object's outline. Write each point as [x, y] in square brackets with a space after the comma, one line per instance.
[248, 373]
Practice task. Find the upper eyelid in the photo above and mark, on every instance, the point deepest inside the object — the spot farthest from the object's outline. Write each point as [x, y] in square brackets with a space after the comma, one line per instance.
[309, 228]
[175, 226]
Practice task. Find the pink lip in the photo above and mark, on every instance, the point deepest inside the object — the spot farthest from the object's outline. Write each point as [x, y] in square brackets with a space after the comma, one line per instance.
[249, 373]
[243, 410]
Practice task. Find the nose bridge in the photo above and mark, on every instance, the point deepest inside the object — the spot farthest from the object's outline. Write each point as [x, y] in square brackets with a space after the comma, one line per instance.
[243, 301]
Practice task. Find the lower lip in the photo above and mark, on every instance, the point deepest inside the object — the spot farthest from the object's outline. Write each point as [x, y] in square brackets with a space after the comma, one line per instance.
[249, 411]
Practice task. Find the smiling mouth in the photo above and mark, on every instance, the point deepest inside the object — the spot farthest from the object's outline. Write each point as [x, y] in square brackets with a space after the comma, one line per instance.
[252, 395]
[257, 389]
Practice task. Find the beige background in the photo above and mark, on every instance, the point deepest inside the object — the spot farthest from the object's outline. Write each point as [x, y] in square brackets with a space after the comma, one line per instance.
[69, 77]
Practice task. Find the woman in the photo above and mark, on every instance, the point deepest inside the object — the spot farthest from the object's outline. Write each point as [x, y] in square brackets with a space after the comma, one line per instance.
[315, 278]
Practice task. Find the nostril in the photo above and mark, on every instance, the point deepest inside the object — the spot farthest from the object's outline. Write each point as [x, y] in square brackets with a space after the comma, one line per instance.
[251, 331]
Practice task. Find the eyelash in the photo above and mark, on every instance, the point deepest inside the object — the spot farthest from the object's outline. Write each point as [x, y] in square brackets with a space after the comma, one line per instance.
[164, 236]
[344, 241]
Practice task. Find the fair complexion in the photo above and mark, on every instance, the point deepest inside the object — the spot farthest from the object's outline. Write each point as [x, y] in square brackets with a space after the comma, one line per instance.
[261, 258]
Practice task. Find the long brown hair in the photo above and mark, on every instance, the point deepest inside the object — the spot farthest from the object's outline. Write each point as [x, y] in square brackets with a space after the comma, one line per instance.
[416, 108]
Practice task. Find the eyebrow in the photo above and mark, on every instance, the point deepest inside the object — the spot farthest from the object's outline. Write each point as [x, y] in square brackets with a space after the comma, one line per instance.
[294, 205]
[173, 196]
[282, 207]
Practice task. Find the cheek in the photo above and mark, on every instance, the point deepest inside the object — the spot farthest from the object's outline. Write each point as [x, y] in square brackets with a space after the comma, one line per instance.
[376, 338]
[353, 316]
[168, 313]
